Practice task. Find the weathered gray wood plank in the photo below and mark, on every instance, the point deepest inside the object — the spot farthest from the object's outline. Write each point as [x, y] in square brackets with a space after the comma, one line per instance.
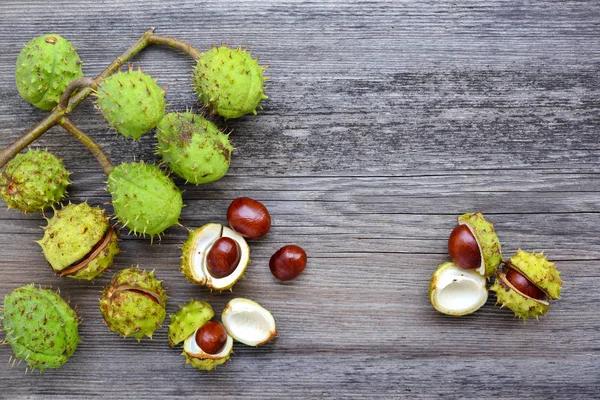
[386, 120]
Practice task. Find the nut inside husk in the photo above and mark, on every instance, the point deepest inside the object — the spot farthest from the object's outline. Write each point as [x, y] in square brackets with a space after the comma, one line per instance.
[487, 240]
[195, 255]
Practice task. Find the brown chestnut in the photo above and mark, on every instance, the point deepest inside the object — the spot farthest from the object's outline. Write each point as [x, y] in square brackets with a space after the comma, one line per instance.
[463, 248]
[288, 262]
[523, 285]
[249, 217]
[223, 257]
[211, 337]
[144, 293]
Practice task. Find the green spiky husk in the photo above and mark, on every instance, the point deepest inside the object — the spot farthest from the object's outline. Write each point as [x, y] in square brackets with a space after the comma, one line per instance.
[45, 66]
[192, 316]
[205, 364]
[131, 102]
[193, 147]
[538, 270]
[487, 239]
[129, 313]
[40, 326]
[33, 181]
[186, 256]
[72, 233]
[522, 306]
[144, 199]
[229, 81]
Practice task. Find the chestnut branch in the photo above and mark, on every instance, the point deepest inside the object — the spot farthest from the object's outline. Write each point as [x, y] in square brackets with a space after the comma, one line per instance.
[88, 142]
[69, 100]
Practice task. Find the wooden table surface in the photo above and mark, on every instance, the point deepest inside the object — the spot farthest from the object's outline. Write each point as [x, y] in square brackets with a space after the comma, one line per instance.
[385, 121]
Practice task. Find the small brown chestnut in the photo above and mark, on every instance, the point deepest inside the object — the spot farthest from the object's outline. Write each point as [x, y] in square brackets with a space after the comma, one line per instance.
[249, 217]
[223, 257]
[523, 285]
[463, 248]
[211, 337]
[288, 262]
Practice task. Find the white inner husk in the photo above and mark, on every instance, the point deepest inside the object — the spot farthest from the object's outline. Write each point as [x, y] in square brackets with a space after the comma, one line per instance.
[248, 322]
[190, 346]
[481, 268]
[460, 291]
[209, 235]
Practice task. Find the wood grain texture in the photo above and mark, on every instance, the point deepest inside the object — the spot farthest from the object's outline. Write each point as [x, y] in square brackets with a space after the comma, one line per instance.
[385, 120]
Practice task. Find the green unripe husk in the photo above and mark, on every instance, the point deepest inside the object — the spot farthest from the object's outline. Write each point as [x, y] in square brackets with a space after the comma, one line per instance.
[40, 326]
[538, 271]
[45, 66]
[193, 147]
[33, 181]
[131, 102]
[79, 242]
[144, 199]
[487, 240]
[133, 303]
[229, 82]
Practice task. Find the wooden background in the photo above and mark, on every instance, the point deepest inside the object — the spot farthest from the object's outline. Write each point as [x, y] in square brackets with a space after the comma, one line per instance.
[386, 120]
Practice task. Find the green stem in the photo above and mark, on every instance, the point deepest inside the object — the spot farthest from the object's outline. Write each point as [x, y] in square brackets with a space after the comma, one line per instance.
[78, 83]
[175, 44]
[88, 142]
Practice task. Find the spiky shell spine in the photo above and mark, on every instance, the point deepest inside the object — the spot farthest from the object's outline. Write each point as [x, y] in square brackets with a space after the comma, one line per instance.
[33, 181]
[45, 66]
[539, 271]
[192, 316]
[144, 198]
[77, 236]
[229, 81]
[193, 147]
[133, 303]
[40, 326]
[131, 102]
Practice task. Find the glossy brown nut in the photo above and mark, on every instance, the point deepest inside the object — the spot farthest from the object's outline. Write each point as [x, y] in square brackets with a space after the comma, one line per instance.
[463, 248]
[288, 262]
[211, 337]
[523, 285]
[249, 217]
[223, 257]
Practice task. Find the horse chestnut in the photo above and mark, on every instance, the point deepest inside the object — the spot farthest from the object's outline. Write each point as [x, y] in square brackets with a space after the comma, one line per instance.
[463, 248]
[249, 217]
[523, 285]
[223, 257]
[288, 262]
[211, 337]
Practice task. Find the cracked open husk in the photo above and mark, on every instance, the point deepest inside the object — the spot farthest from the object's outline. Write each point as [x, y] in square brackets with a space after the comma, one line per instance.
[456, 291]
[248, 322]
[195, 251]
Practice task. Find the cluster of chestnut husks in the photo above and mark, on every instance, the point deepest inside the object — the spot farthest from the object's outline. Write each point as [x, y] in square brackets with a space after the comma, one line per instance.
[248, 217]
[463, 248]
[288, 262]
[211, 337]
[223, 257]
[525, 285]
